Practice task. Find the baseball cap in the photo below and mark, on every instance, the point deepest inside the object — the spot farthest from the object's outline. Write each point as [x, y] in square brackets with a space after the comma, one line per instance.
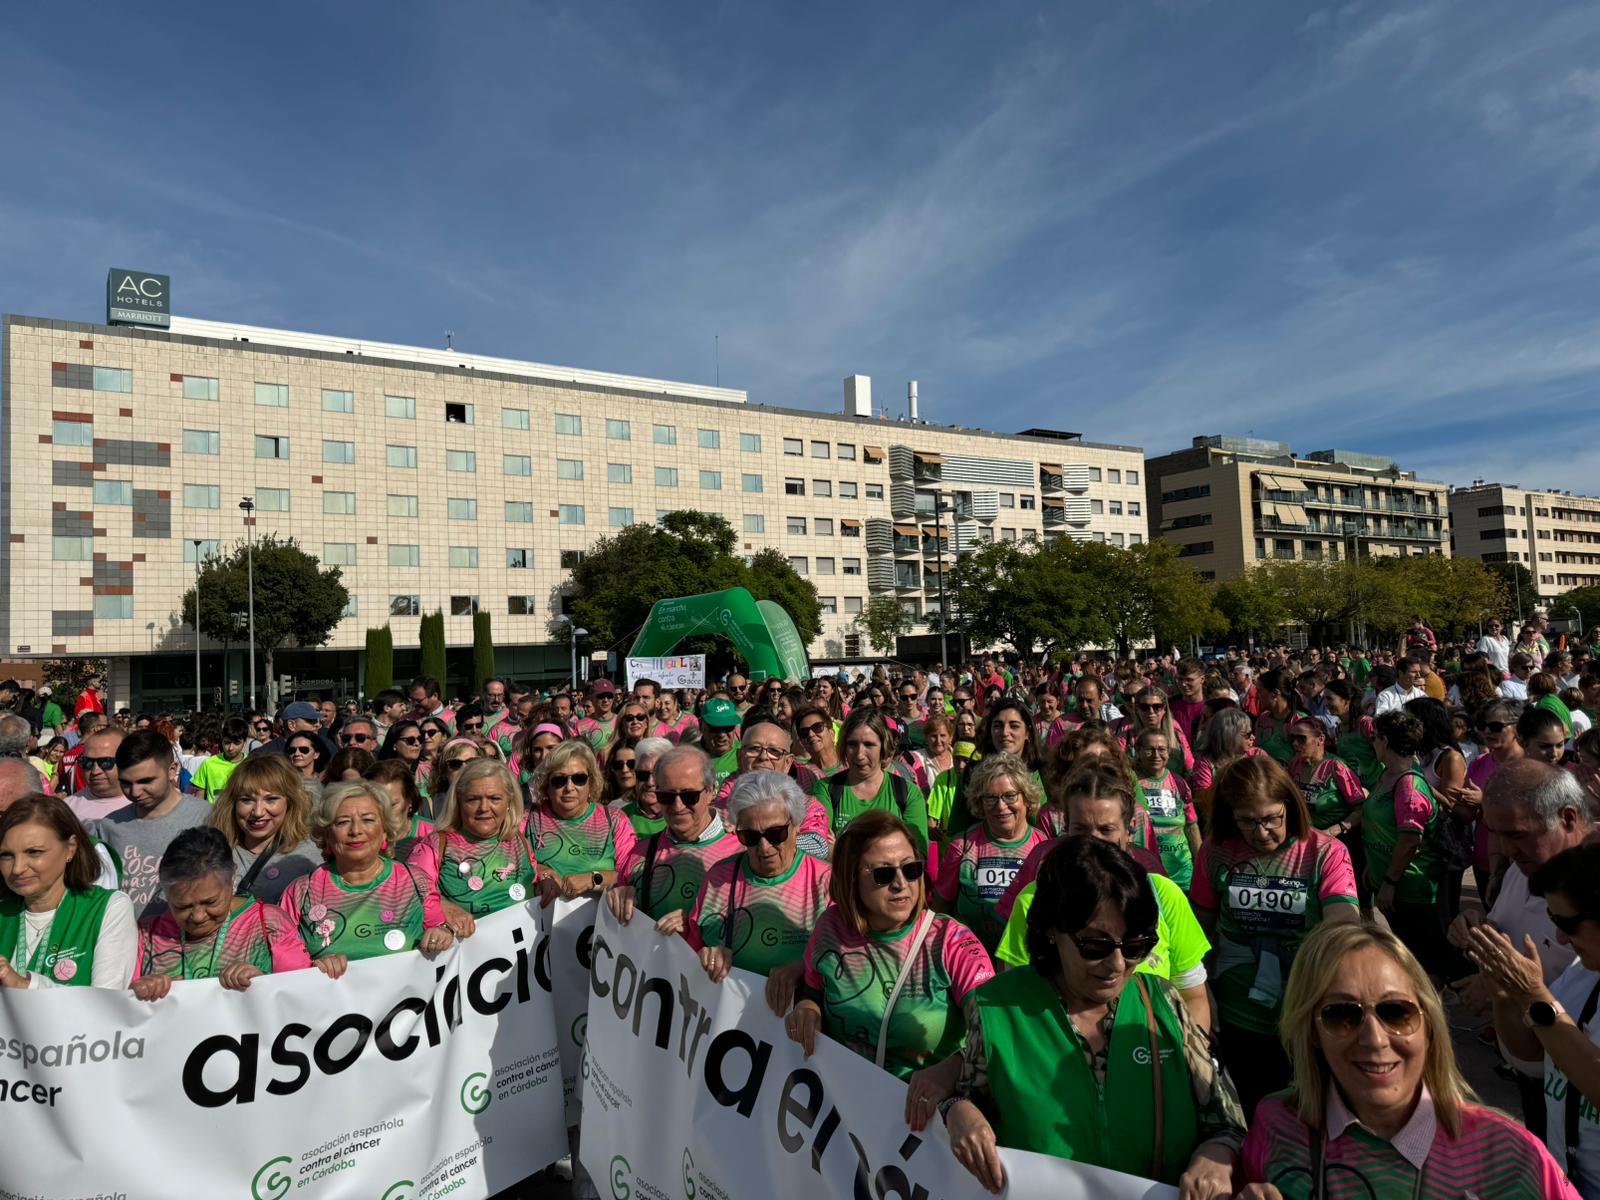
[302, 710]
[603, 687]
[47, 690]
[720, 714]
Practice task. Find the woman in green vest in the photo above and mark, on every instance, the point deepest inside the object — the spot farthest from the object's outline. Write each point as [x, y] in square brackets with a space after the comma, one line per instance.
[57, 929]
[1081, 1058]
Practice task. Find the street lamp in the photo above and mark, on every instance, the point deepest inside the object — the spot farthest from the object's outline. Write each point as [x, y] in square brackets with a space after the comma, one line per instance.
[199, 702]
[938, 531]
[1579, 614]
[248, 504]
[577, 633]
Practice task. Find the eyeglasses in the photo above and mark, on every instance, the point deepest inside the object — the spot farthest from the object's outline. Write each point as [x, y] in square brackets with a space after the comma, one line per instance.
[908, 695]
[1150, 707]
[997, 799]
[1263, 825]
[766, 753]
[627, 716]
[576, 779]
[909, 871]
[1094, 947]
[1494, 726]
[688, 797]
[813, 730]
[1344, 1018]
[262, 725]
[433, 733]
[1567, 925]
[453, 763]
[775, 835]
[99, 764]
[410, 739]
[643, 774]
[300, 751]
[623, 764]
[1299, 739]
[473, 726]
[350, 739]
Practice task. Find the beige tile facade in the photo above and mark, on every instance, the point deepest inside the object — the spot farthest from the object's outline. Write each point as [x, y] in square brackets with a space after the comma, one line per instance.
[149, 450]
[1555, 535]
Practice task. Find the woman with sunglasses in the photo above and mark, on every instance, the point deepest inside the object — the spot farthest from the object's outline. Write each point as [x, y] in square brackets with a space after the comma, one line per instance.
[816, 742]
[1151, 711]
[640, 805]
[1378, 1107]
[577, 840]
[264, 814]
[884, 976]
[478, 861]
[435, 733]
[451, 757]
[1081, 1056]
[1332, 790]
[868, 781]
[309, 756]
[403, 743]
[1265, 878]
[633, 721]
[1166, 799]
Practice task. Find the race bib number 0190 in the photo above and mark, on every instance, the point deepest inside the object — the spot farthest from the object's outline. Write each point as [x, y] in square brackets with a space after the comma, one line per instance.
[1267, 900]
[994, 875]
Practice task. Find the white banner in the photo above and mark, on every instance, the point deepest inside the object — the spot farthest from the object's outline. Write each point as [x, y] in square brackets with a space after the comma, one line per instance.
[693, 1090]
[405, 1080]
[682, 671]
[571, 925]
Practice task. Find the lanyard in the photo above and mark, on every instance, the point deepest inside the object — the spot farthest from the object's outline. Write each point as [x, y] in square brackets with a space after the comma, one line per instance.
[36, 961]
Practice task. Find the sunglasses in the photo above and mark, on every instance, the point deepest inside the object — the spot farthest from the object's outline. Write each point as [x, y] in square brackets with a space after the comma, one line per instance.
[350, 739]
[411, 739]
[1343, 1018]
[1567, 925]
[454, 763]
[1299, 739]
[633, 716]
[1494, 726]
[1097, 946]
[300, 751]
[577, 779]
[688, 797]
[473, 726]
[909, 871]
[100, 764]
[433, 733]
[774, 836]
[262, 725]
[1150, 707]
[623, 764]
[814, 730]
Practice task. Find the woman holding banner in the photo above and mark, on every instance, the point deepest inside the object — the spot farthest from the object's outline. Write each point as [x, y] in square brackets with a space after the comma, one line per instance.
[577, 841]
[1080, 1057]
[477, 860]
[361, 903]
[209, 932]
[883, 975]
[57, 929]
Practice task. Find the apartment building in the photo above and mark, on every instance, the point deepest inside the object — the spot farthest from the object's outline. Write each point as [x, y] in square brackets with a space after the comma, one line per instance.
[1231, 502]
[1555, 535]
[437, 480]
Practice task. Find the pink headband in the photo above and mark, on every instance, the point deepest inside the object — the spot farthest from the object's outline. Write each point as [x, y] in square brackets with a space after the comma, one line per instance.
[460, 741]
[547, 727]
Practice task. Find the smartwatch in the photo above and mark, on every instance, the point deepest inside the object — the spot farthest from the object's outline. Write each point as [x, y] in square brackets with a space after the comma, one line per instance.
[1542, 1014]
[597, 881]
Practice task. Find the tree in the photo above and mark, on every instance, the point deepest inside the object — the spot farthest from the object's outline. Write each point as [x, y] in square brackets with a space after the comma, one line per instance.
[1146, 594]
[1519, 583]
[68, 677]
[380, 661]
[1453, 595]
[883, 619]
[298, 601]
[1029, 595]
[482, 652]
[770, 577]
[1250, 604]
[1586, 600]
[431, 634]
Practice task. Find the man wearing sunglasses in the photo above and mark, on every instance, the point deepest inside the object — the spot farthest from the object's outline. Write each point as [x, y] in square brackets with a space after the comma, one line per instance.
[597, 725]
[359, 733]
[664, 872]
[719, 734]
[101, 793]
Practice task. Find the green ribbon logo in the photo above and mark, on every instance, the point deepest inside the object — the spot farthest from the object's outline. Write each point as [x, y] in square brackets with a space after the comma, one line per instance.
[688, 1175]
[621, 1189]
[474, 1096]
[276, 1185]
[397, 1190]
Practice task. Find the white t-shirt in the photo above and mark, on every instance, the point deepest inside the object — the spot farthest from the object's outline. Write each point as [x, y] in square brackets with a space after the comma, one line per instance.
[1395, 697]
[1573, 989]
[1516, 913]
[116, 950]
[1497, 650]
[1514, 689]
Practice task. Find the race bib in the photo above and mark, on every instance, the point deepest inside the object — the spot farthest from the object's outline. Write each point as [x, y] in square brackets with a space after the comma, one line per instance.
[1163, 804]
[1262, 902]
[994, 876]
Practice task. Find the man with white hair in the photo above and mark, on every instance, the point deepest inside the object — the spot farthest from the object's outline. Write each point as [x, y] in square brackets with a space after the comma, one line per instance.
[19, 778]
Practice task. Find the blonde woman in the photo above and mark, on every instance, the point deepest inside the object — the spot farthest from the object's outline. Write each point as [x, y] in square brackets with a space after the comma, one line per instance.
[264, 811]
[577, 841]
[477, 860]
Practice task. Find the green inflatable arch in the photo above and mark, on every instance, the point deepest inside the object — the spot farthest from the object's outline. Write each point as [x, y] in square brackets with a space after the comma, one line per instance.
[763, 631]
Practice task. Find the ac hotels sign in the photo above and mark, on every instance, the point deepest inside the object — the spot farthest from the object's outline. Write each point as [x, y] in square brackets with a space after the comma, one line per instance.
[138, 298]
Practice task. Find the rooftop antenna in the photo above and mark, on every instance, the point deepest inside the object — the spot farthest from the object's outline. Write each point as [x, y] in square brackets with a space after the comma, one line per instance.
[719, 358]
[449, 339]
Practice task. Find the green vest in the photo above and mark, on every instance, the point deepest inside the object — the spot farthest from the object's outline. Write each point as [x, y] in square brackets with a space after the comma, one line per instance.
[1360, 757]
[1379, 835]
[1032, 1051]
[67, 954]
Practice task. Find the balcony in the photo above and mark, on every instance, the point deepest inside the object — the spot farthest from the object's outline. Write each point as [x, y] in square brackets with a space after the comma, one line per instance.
[1312, 500]
[1268, 526]
[1052, 477]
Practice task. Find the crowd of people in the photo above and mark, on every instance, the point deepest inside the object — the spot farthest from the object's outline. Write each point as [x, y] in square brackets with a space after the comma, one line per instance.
[1200, 921]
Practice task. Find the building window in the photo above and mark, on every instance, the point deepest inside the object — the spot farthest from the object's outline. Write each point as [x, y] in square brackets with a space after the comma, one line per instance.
[851, 566]
[464, 557]
[569, 468]
[339, 554]
[463, 606]
[569, 424]
[456, 413]
[81, 433]
[750, 443]
[1007, 500]
[822, 526]
[402, 506]
[847, 490]
[208, 549]
[755, 523]
[821, 450]
[571, 514]
[1135, 539]
[403, 458]
[1113, 475]
[1007, 534]
[114, 608]
[72, 549]
[338, 452]
[195, 441]
[666, 476]
[197, 495]
[200, 387]
[665, 435]
[1094, 474]
[522, 606]
[404, 555]
[405, 606]
[846, 452]
[113, 379]
[272, 395]
[337, 401]
[272, 447]
[514, 418]
[825, 566]
[874, 491]
[822, 487]
[272, 500]
[1116, 508]
[570, 559]
[827, 605]
[794, 487]
[461, 461]
[516, 464]
[710, 481]
[796, 526]
[1116, 539]
[518, 559]
[462, 509]
[751, 483]
[794, 446]
[1133, 477]
[1030, 503]
[339, 504]
[799, 563]
[711, 439]
[1133, 508]
[620, 517]
[619, 472]
[850, 529]
[519, 512]
[1198, 492]
[402, 408]
[852, 604]
[619, 431]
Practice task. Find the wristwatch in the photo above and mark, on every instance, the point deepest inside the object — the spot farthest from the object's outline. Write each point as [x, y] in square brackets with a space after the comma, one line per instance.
[597, 881]
[1542, 1014]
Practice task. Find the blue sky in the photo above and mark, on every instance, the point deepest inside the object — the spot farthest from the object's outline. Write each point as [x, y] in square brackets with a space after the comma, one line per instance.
[1371, 226]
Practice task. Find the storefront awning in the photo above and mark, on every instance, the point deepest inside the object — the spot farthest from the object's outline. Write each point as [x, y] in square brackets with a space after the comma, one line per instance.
[908, 530]
[1053, 468]
[849, 523]
[927, 456]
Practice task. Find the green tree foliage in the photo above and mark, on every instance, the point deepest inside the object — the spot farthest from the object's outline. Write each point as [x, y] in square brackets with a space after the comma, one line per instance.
[1250, 605]
[69, 676]
[883, 619]
[1519, 585]
[431, 635]
[297, 601]
[482, 652]
[1145, 593]
[380, 661]
[1587, 602]
[686, 554]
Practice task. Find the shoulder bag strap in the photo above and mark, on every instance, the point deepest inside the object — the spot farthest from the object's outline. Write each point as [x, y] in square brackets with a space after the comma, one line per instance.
[733, 899]
[1159, 1098]
[650, 849]
[261, 861]
[900, 790]
[917, 938]
[1573, 1100]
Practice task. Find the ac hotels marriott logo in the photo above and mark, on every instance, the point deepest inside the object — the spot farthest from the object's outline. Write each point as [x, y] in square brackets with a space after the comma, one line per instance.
[138, 298]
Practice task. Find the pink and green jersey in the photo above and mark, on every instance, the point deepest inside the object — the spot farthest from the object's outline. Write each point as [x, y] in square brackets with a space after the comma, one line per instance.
[772, 918]
[597, 839]
[678, 868]
[503, 733]
[477, 876]
[1169, 805]
[983, 869]
[364, 920]
[853, 975]
[816, 831]
[1333, 791]
[254, 933]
